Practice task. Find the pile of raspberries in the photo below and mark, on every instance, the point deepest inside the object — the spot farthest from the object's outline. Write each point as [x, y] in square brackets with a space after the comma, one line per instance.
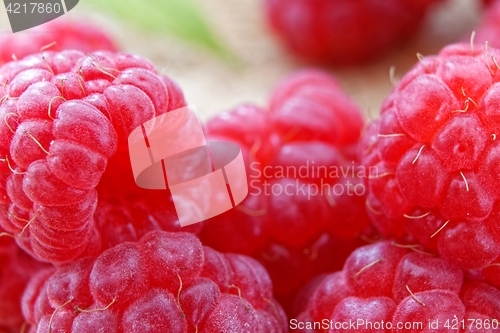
[391, 226]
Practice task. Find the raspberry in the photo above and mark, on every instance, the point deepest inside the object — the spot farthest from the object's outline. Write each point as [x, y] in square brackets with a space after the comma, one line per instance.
[58, 35]
[66, 119]
[434, 157]
[294, 218]
[164, 282]
[487, 30]
[342, 31]
[387, 282]
[492, 273]
[16, 268]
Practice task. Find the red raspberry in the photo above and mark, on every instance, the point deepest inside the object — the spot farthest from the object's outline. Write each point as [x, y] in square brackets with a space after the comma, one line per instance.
[491, 273]
[434, 156]
[166, 282]
[16, 268]
[65, 122]
[489, 27]
[344, 31]
[310, 124]
[487, 2]
[57, 35]
[387, 282]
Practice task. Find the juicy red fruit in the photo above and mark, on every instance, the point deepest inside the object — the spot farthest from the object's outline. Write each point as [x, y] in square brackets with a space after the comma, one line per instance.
[344, 31]
[293, 219]
[389, 283]
[57, 35]
[488, 27]
[16, 268]
[164, 282]
[67, 117]
[436, 159]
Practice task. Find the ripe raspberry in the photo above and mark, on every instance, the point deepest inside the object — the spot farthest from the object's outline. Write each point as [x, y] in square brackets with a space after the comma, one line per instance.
[57, 35]
[65, 122]
[487, 2]
[295, 216]
[434, 156]
[344, 31]
[387, 282]
[16, 268]
[166, 282]
[491, 273]
[489, 27]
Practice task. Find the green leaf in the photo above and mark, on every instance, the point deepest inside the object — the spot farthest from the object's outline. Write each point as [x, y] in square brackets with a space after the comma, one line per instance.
[181, 18]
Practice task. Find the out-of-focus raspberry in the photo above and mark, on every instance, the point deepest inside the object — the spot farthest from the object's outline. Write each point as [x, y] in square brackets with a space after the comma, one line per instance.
[305, 210]
[57, 35]
[16, 268]
[344, 31]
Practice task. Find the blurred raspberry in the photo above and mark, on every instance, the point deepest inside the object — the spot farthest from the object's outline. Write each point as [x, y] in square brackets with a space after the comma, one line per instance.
[345, 31]
[488, 29]
[57, 35]
[16, 268]
[305, 210]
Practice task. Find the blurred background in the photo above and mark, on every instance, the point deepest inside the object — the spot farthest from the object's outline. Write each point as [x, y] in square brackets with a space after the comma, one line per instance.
[223, 53]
